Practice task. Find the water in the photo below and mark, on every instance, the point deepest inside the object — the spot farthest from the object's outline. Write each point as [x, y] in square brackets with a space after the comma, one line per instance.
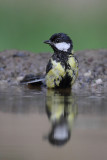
[40, 124]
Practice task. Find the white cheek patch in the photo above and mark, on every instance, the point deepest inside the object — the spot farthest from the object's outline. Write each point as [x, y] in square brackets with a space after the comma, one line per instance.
[63, 46]
[60, 133]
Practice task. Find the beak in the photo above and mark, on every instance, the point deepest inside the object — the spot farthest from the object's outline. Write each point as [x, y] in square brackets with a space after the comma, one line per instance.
[48, 42]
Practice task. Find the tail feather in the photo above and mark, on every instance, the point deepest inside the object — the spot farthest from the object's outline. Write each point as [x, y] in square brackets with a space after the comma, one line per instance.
[33, 79]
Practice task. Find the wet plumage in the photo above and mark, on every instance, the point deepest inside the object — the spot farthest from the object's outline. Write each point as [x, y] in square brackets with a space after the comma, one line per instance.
[62, 68]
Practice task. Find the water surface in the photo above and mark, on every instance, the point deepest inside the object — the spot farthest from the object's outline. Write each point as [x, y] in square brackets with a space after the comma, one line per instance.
[47, 124]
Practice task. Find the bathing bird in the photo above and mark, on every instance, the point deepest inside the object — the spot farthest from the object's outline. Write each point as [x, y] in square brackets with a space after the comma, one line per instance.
[62, 67]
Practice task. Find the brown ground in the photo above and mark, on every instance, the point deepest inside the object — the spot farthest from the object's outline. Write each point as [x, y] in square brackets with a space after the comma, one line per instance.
[14, 65]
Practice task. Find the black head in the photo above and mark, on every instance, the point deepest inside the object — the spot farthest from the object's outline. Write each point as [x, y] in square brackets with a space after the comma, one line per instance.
[60, 42]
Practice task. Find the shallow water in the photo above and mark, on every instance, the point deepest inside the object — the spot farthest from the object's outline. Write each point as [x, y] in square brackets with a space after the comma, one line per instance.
[40, 124]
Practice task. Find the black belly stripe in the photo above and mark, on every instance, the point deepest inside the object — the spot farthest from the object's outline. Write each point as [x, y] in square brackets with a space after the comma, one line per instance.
[62, 58]
[65, 82]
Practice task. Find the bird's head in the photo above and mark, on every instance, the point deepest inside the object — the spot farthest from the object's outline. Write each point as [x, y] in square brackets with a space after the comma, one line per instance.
[60, 42]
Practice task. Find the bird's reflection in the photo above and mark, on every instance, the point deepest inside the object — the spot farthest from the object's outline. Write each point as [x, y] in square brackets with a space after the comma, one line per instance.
[61, 109]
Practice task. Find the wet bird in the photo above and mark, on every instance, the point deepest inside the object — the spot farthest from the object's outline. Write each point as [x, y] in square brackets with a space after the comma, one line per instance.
[62, 67]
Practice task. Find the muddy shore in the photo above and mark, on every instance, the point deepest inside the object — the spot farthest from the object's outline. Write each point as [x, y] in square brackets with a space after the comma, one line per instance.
[14, 65]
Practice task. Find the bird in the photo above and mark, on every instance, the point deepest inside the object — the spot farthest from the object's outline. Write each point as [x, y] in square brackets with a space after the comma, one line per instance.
[62, 67]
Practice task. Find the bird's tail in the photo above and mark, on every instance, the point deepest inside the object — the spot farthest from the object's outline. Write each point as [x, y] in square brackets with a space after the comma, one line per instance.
[33, 79]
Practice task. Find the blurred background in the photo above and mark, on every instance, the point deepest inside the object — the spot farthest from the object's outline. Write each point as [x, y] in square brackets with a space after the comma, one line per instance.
[25, 24]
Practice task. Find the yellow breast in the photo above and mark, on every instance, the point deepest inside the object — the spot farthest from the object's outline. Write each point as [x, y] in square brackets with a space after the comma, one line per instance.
[55, 75]
[59, 74]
